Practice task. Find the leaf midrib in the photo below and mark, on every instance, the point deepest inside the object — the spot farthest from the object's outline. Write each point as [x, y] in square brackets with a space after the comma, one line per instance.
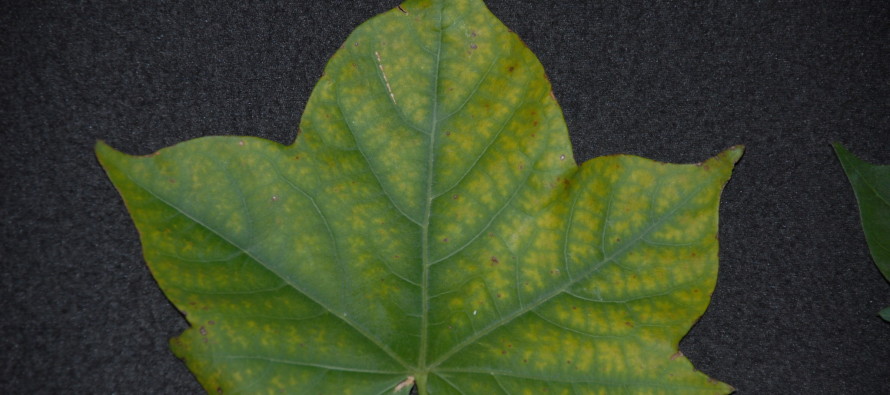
[425, 227]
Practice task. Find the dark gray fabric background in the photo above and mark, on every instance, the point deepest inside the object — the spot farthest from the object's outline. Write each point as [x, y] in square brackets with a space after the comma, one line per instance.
[796, 301]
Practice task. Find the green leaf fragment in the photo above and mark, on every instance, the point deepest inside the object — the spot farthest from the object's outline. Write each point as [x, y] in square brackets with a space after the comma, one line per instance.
[429, 226]
[871, 185]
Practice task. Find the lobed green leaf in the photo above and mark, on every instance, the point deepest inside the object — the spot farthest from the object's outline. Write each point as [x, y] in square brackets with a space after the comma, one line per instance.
[429, 227]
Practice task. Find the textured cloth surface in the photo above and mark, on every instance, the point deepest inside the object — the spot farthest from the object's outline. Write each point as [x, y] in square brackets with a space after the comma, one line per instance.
[797, 296]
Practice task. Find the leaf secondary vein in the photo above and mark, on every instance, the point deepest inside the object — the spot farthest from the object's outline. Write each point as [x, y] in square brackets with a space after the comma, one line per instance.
[548, 296]
[295, 286]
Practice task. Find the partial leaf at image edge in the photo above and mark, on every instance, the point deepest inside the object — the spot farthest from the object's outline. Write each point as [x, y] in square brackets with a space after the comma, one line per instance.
[871, 185]
[428, 226]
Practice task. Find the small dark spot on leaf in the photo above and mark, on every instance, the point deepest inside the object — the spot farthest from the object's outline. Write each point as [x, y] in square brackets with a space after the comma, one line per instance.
[524, 361]
[473, 33]
[355, 44]
[511, 68]
[499, 296]
[569, 361]
[473, 46]
[503, 352]
[445, 239]
[494, 261]
[275, 198]
[535, 123]
[203, 331]
[574, 307]
[297, 157]
[211, 322]
[403, 10]
[219, 390]
[455, 197]
[628, 324]
[241, 143]
[448, 133]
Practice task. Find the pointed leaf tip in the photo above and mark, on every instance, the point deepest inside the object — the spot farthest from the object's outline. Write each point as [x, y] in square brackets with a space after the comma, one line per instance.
[734, 153]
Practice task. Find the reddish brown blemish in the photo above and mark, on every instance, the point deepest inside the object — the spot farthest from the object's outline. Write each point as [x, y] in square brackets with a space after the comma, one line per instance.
[676, 355]
[445, 239]
[503, 352]
[494, 261]
[211, 322]
[403, 10]
[628, 324]
[455, 196]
